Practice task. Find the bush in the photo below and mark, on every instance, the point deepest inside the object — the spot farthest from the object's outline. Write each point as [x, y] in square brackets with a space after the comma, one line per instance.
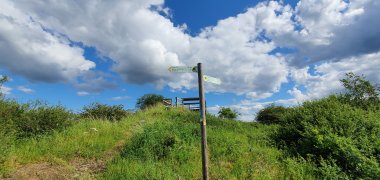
[156, 142]
[271, 114]
[7, 130]
[3, 79]
[340, 138]
[359, 92]
[7, 140]
[103, 111]
[9, 111]
[227, 113]
[31, 119]
[39, 118]
[149, 100]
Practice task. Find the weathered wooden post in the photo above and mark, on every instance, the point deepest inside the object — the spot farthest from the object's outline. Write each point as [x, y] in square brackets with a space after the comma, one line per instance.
[203, 123]
[202, 102]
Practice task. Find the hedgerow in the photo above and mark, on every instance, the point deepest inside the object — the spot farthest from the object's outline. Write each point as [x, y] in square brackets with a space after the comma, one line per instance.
[343, 140]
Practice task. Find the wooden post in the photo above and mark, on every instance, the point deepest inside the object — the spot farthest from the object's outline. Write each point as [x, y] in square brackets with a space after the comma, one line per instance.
[203, 123]
[176, 101]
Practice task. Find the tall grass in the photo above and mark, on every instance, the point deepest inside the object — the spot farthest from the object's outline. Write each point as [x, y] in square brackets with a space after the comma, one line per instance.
[170, 149]
[162, 144]
[86, 138]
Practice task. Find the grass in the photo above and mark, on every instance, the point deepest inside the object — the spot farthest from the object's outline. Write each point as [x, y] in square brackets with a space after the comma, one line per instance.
[162, 144]
[170, 149]
[89, 139]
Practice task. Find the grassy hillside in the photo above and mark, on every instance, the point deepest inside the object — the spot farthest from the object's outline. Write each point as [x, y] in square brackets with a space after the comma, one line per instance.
[154, 144]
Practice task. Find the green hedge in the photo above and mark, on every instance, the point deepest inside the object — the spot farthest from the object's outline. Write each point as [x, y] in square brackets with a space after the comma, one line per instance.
[271, 114]
[32, 119]
[105, 112]
[343, 140]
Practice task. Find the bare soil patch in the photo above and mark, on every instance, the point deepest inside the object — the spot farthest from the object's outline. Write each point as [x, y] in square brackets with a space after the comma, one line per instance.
[41, 171]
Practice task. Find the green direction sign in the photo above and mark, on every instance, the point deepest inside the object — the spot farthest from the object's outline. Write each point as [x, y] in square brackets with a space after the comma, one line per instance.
[212, 79]
[182, 69]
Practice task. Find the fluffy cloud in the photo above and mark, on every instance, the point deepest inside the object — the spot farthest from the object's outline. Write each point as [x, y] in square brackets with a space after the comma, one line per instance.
[28, 49]
[25, 89]
[5, 90]
[143, 44]
[235, 51]
[94, 82]
[82, 93]
[325, 79]
[248, 109]
[120, 98]
[333, 30]
[327, 38]
[140, 41]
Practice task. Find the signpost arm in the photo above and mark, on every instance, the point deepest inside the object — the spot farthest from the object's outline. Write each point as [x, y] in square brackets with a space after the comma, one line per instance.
[203, 123]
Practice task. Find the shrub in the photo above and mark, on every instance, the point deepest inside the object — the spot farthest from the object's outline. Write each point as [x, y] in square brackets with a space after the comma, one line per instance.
[31, 119]
[7, 140]
[103, 111]
[271, 114]
[155, 143]
[149, 100]
[227, 113]
[340, 138]
[3, 79]
[39, 118]
[9, 111]
[359, 92]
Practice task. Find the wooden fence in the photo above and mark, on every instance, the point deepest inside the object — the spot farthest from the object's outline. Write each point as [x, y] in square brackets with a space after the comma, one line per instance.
[192, 103]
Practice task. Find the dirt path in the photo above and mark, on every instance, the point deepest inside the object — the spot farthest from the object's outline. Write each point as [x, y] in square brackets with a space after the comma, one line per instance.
[75, 168]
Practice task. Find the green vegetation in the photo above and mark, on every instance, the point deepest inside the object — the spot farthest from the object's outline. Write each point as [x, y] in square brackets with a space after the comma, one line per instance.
[227, 113]
[154, 143]
[339, 134]
[341, 139]
[33, 118]
[149, 100]
[170, 149]
[359, 92]
[92, 140]
[3, 79]
[104, 112]
[271, 114]
[336, 137]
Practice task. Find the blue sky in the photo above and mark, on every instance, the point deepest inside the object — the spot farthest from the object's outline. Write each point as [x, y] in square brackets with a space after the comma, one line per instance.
[285, 52]
[199, 14]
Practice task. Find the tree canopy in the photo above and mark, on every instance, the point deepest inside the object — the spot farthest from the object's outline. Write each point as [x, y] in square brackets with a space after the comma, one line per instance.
[359, 91]
[148, 100]
[271, 114]
[227, 113]
[3, 79]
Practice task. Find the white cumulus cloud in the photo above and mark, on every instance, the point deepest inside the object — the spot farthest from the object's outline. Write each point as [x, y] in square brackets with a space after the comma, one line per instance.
[28, 49]
[25, 89]
[325, 40]
[120, 98]
[5, 90]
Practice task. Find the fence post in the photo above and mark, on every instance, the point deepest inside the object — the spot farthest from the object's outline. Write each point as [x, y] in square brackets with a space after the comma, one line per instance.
[203, 123]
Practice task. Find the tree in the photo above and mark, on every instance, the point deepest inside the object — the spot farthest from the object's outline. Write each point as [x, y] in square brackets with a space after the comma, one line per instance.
[104, 111]
[3, 79]
[227, 113]
[271, 114]
[360, 92]
[149, 100]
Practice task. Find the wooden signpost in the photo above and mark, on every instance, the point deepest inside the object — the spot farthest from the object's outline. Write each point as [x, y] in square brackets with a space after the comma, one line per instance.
[201, 79]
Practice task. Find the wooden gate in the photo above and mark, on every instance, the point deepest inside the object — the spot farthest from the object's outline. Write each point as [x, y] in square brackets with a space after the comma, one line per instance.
[192, 103]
